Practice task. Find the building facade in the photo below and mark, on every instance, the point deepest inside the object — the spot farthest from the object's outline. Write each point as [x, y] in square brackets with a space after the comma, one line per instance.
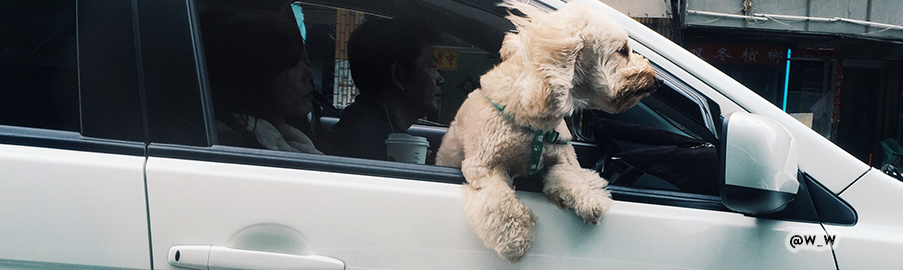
[836, 65]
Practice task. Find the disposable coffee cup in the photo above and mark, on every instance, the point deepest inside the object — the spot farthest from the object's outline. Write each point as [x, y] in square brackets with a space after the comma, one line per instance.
[403, 147]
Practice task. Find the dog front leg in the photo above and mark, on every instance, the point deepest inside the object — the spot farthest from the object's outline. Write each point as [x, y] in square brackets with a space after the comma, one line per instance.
[579, 189]
[451, 151]
[502, 221]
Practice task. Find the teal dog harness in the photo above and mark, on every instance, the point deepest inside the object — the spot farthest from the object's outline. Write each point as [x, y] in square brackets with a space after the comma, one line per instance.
[540, 138]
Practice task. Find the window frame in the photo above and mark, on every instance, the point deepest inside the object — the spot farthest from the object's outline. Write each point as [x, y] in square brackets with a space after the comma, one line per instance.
[400, 171]
[175, 88]
[67, 140]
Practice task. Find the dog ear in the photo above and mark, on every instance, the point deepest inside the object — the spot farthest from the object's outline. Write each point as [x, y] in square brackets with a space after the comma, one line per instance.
[543, 49]
[548, 48]
[555, 59]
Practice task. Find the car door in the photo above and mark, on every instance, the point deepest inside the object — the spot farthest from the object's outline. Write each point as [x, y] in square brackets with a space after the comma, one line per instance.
[367, 222]
[230, 207]
[71, 138]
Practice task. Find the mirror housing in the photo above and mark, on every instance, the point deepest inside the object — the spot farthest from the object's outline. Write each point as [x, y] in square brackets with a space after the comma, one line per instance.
[759, 164]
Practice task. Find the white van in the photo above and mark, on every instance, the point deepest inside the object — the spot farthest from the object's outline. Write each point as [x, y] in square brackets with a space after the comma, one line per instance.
[109, 159]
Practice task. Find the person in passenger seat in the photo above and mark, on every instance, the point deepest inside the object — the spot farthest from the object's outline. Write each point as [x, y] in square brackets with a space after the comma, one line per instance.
[257, 79]
[393, 67]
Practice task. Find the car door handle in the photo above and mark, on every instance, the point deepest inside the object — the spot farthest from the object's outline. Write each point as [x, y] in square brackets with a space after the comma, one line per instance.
[209, 257]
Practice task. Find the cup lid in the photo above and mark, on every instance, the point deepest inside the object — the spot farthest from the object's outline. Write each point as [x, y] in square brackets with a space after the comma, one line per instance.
[404, 137]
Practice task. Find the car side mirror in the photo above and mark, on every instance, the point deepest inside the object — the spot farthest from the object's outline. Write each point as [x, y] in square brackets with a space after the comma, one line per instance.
[759, 162]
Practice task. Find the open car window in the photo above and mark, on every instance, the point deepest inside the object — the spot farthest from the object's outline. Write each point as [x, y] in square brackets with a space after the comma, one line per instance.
[683, 123]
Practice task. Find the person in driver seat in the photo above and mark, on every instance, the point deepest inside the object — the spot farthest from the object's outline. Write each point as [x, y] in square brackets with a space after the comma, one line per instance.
[393, 66]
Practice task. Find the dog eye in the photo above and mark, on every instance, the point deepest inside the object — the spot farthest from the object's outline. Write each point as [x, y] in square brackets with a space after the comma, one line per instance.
[623, 51]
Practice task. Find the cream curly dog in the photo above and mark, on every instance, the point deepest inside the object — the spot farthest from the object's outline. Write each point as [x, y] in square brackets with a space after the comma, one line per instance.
[553, 64]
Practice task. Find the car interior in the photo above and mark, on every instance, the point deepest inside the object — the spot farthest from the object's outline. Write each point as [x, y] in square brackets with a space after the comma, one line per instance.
[679, 157]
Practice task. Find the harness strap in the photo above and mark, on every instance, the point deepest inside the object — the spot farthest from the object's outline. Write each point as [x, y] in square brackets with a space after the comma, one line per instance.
[540, 138]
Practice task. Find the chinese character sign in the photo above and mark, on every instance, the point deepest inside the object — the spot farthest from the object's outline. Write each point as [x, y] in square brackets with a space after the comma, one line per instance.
[739, 53]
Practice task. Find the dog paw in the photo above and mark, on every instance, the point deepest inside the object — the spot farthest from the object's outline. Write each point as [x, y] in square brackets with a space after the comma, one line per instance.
[516, 224]
[593, 206]
[578, 189]
[502, 221]
[514, 251]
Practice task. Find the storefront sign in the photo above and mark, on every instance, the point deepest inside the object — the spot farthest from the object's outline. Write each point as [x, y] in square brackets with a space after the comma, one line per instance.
[739, 53]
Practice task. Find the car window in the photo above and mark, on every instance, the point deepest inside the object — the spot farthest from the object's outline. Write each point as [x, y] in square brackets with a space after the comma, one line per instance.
[68, 72]
[674, 111]
[38, 72]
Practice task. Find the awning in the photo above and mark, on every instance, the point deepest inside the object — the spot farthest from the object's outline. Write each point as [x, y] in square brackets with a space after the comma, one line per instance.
[642, 8]
[878, 19]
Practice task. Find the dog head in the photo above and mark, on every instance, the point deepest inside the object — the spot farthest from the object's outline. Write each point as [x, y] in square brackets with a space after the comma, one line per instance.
[581, 58]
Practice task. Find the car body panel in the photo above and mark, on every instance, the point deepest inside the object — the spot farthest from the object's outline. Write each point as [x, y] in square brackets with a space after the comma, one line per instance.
[876, 241]
[71, 209]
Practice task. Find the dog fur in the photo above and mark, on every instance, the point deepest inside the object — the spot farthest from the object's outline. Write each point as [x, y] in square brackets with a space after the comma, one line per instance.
[553, 64]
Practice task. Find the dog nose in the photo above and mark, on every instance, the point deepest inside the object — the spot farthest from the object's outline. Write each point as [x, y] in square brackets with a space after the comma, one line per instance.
[658, 82]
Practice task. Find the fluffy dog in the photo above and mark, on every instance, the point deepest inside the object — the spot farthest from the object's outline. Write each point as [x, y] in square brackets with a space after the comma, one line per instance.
[553, 64]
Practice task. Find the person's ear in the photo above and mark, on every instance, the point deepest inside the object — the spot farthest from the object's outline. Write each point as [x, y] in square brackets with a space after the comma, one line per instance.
[396, 73]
